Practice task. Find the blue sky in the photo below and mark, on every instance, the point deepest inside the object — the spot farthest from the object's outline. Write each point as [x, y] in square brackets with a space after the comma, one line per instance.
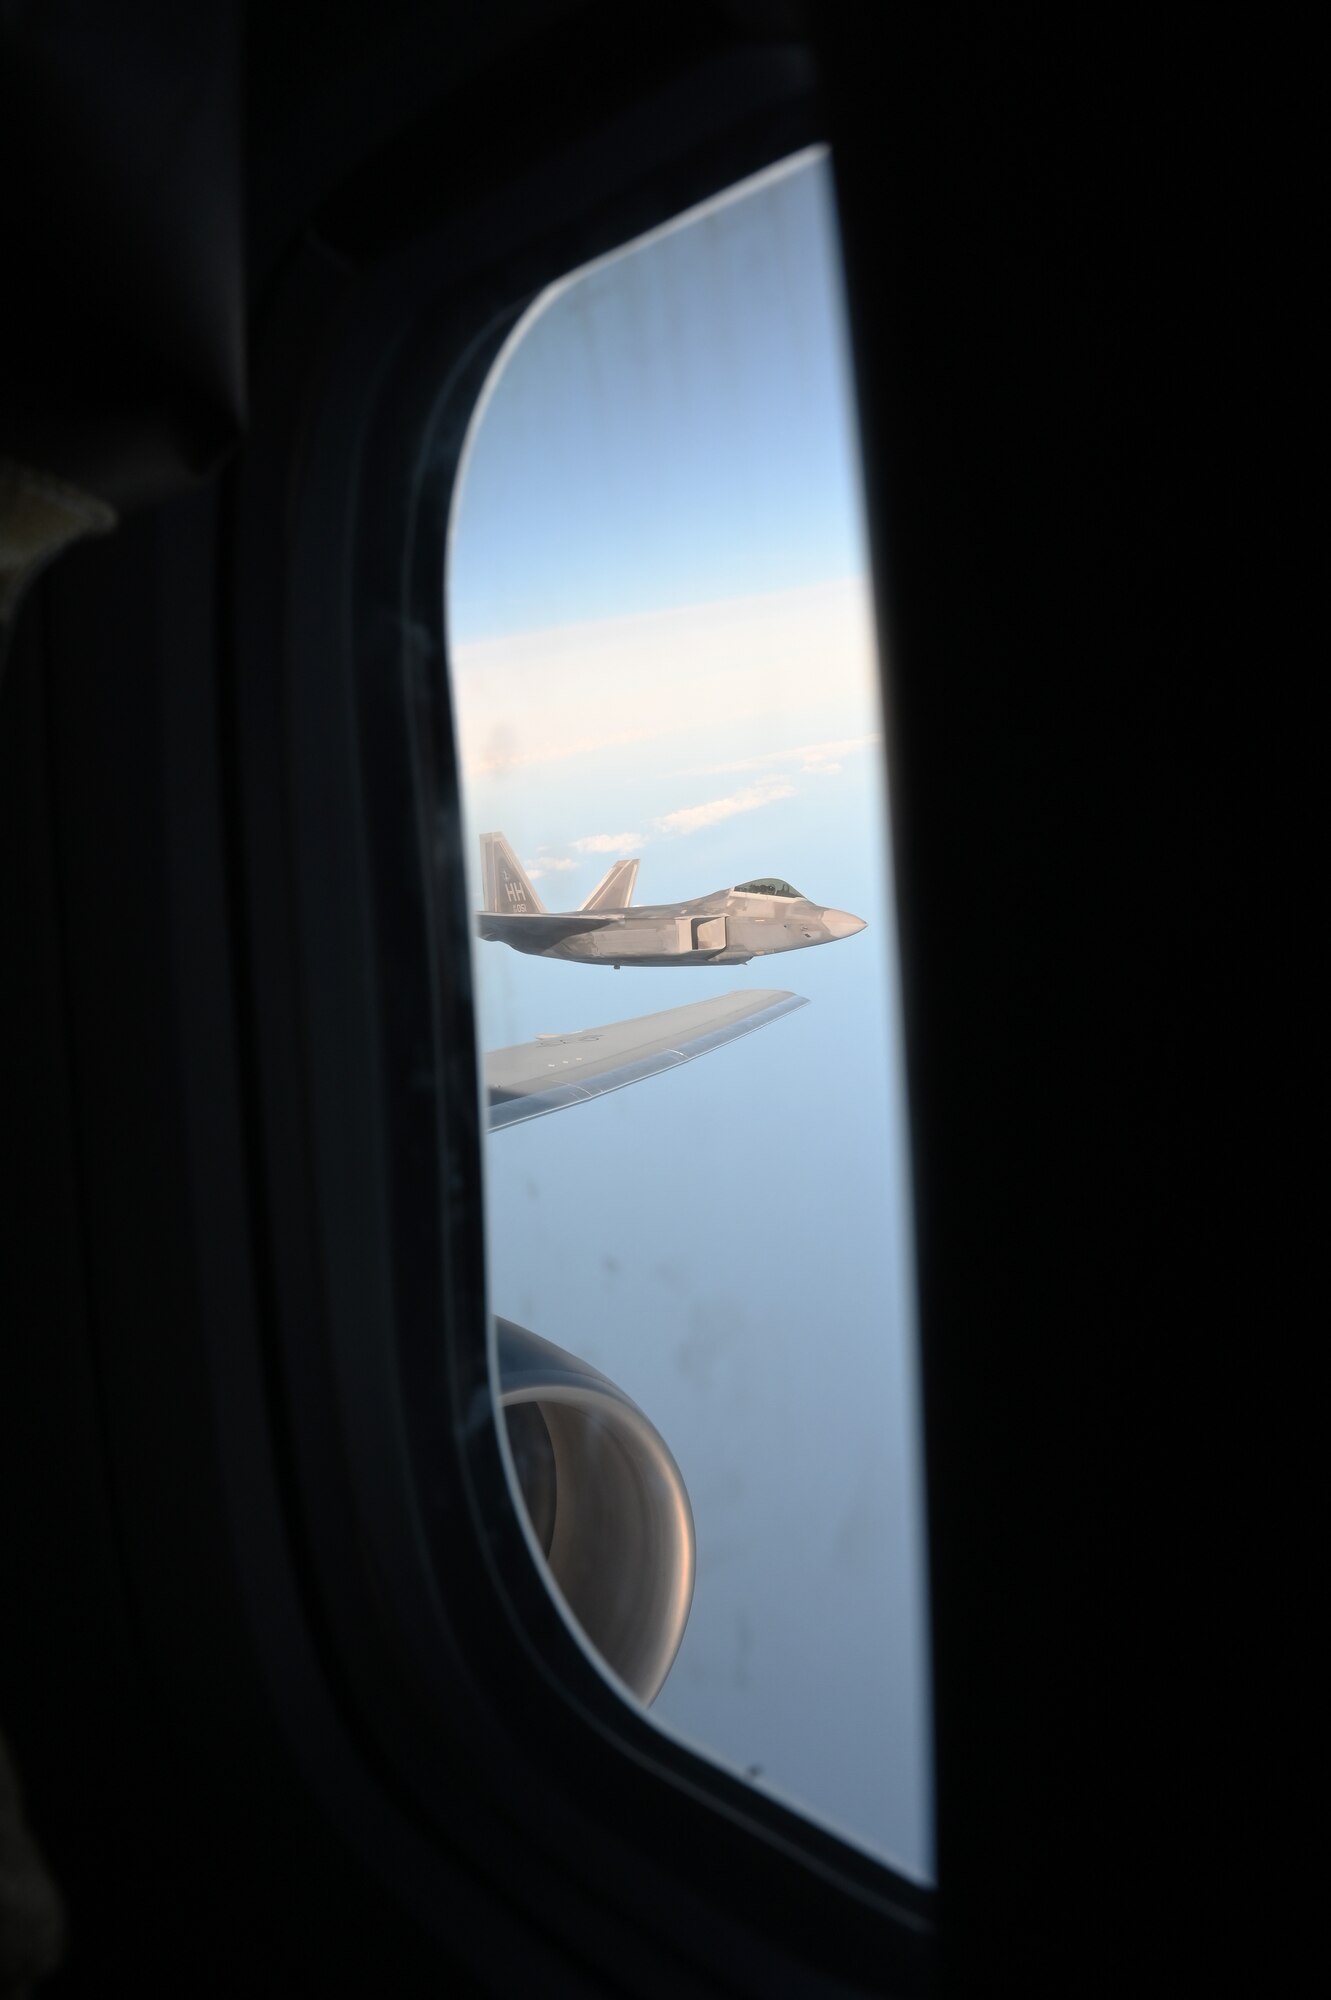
[680, 416]
[663, 644]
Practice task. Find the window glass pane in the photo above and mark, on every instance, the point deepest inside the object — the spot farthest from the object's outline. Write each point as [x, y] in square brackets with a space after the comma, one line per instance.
[663, 649]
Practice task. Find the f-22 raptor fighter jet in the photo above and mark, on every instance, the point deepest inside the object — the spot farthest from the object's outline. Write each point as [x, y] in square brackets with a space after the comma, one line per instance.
[728, 927]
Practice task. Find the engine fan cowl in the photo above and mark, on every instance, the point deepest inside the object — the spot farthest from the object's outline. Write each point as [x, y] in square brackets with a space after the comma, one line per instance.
[607, 1503]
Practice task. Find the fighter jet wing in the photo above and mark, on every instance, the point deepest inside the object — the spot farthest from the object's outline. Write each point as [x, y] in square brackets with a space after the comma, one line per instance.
[558, 1070]
[499, 927]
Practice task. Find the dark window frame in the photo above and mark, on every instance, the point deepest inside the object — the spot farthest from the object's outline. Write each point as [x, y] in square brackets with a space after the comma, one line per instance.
[440, 1612]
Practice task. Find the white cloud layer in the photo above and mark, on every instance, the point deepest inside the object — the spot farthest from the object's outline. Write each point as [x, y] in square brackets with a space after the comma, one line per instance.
[691, 819]
[768, 663]
[607, 843]
[548, 864]
[819, 760]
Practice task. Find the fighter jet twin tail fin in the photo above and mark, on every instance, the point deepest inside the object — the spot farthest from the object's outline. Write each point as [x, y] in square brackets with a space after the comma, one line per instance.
[508, 892]
[615, 889]
[504, 880]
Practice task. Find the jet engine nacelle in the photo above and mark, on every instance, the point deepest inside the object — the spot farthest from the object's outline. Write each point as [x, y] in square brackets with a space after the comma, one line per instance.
[606, 1502]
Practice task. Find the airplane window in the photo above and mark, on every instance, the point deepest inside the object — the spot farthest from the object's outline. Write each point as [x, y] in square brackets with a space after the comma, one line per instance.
[663, 658]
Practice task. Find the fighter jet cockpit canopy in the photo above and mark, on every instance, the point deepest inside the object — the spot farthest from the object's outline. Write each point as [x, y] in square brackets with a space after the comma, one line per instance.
[767, 885]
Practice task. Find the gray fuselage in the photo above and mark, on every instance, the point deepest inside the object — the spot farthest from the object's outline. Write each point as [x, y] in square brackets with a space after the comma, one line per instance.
[728, 927]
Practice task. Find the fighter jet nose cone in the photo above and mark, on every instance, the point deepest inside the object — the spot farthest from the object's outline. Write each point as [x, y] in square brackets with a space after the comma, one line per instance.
[841, 924]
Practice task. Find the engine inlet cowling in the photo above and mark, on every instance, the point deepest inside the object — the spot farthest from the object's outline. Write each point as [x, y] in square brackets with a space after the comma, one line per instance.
[606, 1502]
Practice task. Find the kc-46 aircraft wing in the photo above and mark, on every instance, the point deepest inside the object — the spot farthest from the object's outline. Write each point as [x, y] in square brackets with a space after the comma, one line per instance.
[724, 927]
[556, 1071]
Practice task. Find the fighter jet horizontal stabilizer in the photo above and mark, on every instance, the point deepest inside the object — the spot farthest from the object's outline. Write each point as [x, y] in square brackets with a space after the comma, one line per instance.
[538, 933]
